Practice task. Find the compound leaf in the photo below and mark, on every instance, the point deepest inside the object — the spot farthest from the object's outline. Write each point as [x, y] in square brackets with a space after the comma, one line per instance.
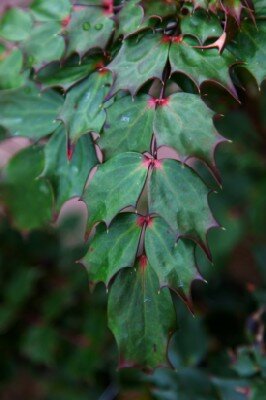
[116, 184]
[104, 259]
[141, 317]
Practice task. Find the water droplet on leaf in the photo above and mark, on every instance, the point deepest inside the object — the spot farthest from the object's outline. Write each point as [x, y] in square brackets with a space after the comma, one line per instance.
[98, 27]
[86, 26]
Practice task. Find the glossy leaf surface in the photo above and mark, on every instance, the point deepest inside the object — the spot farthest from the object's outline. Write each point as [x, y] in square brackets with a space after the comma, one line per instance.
[134, 297]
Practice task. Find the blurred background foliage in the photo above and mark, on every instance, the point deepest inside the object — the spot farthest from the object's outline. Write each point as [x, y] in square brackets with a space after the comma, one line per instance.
[54, 340]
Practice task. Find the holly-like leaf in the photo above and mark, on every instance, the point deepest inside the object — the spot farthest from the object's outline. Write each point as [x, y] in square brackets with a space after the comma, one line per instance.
[50, 10]
[201, 25]
[89, 28]
[178, 194]
[128, 127]
[83, 109]
[28, 198]
[139, 60]
[11, 75]
[68, 177]
[202, 64]
[185, 123]
[171, 258]
[131, 18]
[141, 317]
[116, 184]
[104, 259]
[250, 47]
[27, 112]
[44, 45]
[69, 73]
[15, 25]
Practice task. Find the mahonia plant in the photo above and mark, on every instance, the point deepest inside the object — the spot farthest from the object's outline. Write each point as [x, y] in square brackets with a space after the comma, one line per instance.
[109, 95]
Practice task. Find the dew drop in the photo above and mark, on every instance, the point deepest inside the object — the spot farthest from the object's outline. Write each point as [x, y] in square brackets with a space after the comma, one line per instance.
[86, 26]
[98, 27]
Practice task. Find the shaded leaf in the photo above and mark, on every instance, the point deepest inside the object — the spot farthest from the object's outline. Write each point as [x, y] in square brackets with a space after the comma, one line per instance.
[28, 198]
[140, 318]
[11, 75]
[70, 72]
[83, 109]
[15, 25]
[116, 184]
[27, 112]
[250, 47]
[172, 259]
[178, 194]
[103, 259]
[68, 177]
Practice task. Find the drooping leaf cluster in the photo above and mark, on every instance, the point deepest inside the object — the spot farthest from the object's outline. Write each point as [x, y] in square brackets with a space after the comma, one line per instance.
[119, 86]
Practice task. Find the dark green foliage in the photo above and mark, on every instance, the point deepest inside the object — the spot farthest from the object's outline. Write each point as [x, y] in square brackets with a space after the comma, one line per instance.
[111, 85]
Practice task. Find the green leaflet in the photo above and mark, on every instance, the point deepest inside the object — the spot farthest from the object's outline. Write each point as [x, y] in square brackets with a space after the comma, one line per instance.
[27, 112]
[141, 317]
[128, 127]
[116, 184]
[11, 75]
[68, 177]
[113, 249]
[131, 18]
[178, 194]
[201, 25]
[201, 65]
[69, 73]
[250, 47]
[89, 28]
[173, 260]
[45, 44]
[138, 60]
[28, 197]
[15, 25]
[50, 10]
[184, 122]
[83, 109]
